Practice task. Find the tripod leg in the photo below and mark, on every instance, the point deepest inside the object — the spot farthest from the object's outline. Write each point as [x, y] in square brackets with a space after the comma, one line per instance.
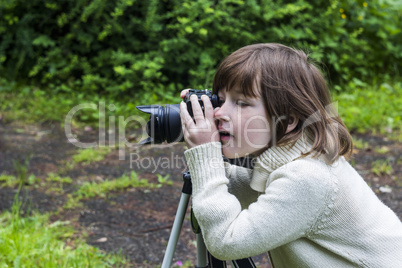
[175, 233]
[202, 255]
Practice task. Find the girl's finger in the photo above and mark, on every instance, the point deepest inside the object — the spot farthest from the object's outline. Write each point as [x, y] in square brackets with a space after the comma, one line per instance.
[184, 115]
[184, 93]
[197, 111]
[208, 109]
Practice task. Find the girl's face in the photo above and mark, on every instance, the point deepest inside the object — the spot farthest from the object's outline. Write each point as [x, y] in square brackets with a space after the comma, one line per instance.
[242, 123]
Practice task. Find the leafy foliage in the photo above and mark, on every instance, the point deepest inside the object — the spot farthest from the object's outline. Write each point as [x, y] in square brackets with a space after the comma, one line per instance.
[152, 49]
[371, 108]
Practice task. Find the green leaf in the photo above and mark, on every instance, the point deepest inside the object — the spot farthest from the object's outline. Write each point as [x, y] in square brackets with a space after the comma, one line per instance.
[44, 41]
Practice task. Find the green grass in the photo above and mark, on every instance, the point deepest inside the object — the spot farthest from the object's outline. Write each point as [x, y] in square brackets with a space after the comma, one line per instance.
[90, 155]
[8, 180]
[93, 189]
[376, 109]
[55, 183]
[33, 105]
[363, 107]
[102, 189]
[54, 178]
[382, 150]
[360, 144]
[35, 242]
[22, 178]
[52, 182]
[382, 167]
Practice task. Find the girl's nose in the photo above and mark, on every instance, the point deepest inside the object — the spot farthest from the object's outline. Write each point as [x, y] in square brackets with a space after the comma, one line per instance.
[221, 113]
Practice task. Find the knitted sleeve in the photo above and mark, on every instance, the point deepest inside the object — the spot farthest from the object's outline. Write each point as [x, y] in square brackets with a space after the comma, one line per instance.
[285, 212]
[239, 184]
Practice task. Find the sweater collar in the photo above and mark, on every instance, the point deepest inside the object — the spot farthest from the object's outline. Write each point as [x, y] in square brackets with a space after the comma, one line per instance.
[275, 157]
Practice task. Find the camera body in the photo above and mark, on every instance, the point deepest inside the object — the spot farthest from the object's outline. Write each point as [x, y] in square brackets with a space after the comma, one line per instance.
[165, 124]
[214, 99]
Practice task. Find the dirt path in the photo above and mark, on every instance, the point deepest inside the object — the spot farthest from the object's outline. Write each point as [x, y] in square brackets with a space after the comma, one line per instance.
[137, 221]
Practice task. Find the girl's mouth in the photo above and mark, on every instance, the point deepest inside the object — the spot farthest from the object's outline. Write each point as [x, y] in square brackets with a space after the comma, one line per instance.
[225, 136]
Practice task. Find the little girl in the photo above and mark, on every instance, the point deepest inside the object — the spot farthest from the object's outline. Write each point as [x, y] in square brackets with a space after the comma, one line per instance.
[302, 202]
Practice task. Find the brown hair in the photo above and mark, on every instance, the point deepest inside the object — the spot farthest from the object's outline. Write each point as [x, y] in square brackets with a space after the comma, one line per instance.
[290, 85]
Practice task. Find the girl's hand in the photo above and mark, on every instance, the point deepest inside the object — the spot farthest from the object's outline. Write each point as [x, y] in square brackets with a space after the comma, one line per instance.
[184, 93]
[202, 129]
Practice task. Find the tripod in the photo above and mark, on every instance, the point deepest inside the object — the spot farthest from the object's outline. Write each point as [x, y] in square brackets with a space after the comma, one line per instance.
[204, 258]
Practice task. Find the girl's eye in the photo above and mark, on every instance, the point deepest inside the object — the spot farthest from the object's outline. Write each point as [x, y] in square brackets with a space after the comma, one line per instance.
[241, 103]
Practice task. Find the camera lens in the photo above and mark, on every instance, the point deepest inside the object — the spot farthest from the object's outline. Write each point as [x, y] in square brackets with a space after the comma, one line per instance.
[215, 101]
[172, 125]
[164, 123]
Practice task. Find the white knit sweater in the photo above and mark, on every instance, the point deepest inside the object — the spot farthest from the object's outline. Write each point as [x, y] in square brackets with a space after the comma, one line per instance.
[305, 212]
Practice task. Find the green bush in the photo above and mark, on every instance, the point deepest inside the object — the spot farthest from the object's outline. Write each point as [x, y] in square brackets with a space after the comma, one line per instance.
[373, 109]
[152, 49]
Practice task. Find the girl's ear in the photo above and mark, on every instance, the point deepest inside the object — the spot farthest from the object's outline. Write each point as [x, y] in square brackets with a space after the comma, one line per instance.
[293, 121]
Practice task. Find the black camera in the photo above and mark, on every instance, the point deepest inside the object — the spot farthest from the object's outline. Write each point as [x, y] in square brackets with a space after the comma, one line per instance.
[164, 123]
